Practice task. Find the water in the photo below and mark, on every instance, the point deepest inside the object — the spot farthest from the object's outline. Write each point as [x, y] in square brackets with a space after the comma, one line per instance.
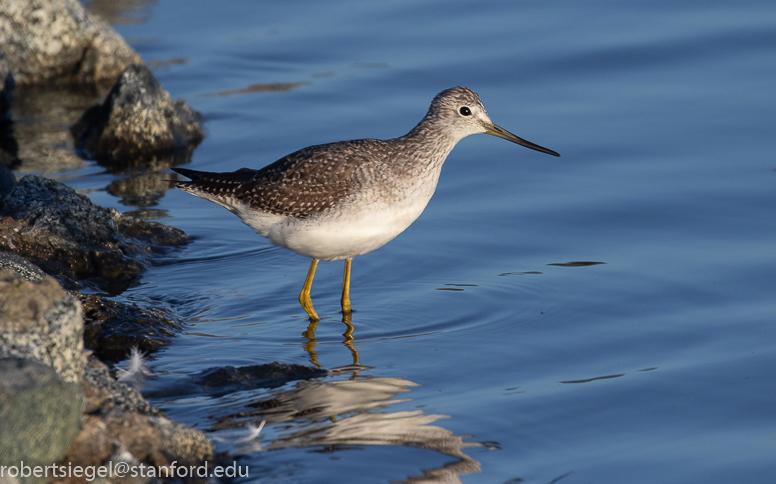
[480, 359]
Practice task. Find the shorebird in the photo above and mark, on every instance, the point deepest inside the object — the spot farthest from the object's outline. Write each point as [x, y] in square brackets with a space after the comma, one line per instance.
[340, 200]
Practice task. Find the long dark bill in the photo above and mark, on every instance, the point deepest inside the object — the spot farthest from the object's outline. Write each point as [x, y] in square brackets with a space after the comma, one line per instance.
[502, 133]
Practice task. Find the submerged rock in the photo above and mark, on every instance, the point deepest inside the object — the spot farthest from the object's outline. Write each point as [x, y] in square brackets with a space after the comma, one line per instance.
[112, 328]
[138, 119]
[269, 375]
[58, 41]
[65, 234]
[223, 380]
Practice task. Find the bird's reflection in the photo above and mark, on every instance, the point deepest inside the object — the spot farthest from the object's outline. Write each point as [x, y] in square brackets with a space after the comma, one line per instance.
[348, 341]
[335, 414]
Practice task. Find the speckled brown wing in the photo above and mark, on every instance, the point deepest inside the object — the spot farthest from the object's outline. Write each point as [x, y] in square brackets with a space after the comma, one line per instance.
[305, 182]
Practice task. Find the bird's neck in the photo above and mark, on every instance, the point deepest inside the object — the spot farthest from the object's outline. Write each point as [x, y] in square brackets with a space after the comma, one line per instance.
[432, 139]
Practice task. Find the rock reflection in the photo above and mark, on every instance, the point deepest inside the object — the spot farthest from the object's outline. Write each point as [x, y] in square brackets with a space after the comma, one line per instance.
[41, 117]
[140, 190]
[337, 414]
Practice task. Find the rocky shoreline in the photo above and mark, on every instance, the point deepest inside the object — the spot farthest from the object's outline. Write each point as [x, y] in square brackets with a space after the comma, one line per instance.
[59, 402]
[54, 385]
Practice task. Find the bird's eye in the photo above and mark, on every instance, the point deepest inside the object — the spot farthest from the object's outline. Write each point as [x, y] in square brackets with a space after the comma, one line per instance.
[465, 111]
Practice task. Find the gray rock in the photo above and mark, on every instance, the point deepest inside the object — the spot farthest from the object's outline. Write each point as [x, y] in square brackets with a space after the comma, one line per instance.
[21, 267]
[43, 322]
[65, 234]
[40, 415]
[58, 41]
[60, 212]
[137, 119]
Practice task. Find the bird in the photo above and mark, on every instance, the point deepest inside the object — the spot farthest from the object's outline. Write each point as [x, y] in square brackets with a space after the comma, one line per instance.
[340, 200]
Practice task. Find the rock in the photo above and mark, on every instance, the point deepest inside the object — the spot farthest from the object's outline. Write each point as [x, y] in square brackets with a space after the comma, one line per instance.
[112, 328]
[153, 440]
[138, 119]
[58, 41]
[21, 267]
[223, 380]
[65, 234]
[269, 375]
[153, 235]
[43, 322]
[40, 414]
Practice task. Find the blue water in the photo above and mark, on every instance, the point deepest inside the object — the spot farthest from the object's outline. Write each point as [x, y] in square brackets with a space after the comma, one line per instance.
[658, 365]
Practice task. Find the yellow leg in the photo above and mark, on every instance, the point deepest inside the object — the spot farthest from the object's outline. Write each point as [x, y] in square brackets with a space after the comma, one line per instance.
[345, 301]
[304, 296]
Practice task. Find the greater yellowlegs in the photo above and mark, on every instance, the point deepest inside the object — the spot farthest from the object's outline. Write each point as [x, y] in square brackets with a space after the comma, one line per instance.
[341, 200]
